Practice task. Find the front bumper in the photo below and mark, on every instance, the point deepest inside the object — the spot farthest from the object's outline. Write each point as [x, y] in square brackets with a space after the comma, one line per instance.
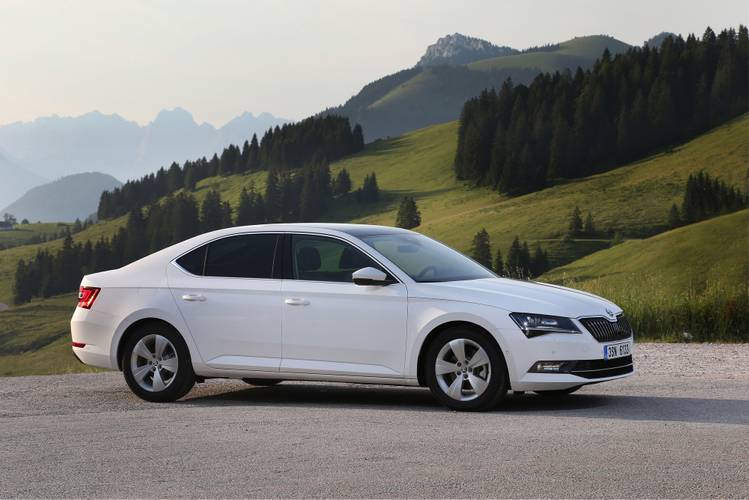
[579, 359]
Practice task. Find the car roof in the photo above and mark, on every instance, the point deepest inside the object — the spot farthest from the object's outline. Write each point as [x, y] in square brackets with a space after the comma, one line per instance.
[356, 230]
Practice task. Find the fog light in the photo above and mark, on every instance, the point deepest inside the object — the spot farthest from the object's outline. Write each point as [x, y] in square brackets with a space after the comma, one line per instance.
[548, 366]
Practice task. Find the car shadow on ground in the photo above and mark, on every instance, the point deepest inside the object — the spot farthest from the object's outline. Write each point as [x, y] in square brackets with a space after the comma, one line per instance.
[414, 399]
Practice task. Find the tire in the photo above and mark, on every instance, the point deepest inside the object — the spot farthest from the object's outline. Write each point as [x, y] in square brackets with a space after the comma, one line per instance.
[558, 393]
[262, 381]
[173, 366]
[483, 373]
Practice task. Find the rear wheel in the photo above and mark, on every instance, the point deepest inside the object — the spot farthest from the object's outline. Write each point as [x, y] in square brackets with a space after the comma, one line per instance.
[156, 363]
[559, 392]
[465, 370]
[262, 381]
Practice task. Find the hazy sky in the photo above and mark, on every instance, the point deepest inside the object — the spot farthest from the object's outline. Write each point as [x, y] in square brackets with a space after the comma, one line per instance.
[290, 58]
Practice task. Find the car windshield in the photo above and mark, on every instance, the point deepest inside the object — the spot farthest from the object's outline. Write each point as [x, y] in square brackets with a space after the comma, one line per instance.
[424, 259]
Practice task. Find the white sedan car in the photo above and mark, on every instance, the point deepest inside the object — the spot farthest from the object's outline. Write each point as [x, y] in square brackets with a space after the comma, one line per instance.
[342, 302]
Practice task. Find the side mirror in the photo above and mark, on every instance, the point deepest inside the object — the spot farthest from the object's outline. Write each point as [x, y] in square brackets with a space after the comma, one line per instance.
[369, 276]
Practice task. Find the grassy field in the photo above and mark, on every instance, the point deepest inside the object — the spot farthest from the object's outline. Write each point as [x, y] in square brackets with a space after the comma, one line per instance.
[633, 199]
[22, 234]
[35, 338]
[693, 279]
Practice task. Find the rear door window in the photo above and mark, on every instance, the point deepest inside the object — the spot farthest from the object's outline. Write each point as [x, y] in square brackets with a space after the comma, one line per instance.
[241, 256]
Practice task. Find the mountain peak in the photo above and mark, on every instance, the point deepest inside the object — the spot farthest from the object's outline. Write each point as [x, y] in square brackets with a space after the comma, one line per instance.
[656, 40]
[175, 116]
[457, 49]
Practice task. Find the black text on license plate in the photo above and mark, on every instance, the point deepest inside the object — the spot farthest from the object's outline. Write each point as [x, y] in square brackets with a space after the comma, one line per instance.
[613, 351]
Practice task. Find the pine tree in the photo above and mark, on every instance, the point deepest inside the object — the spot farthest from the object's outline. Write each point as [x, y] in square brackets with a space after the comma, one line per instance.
[514, 259]
[499, 265]
[212, 212]
[370, 191]
[589, 229]
[358, 139]
[342, 184]
[539, 262]
[575, 225]
[272, 197]
[408, 216]
[253, 154]
[481, 249]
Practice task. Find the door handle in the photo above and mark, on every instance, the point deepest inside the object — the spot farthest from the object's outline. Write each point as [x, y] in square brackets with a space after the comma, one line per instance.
[292, 301]
[193, 297]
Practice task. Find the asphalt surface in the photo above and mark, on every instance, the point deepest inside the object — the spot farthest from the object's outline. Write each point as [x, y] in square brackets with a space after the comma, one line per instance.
[679, 428]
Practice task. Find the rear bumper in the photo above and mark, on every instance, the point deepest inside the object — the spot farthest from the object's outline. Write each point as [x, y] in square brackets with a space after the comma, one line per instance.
[95, 330]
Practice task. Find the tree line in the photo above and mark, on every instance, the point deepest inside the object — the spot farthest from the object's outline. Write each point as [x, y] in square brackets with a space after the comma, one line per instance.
[311, 142]
[520, 263]
[567, 125]
[706, 197]
[290, 196]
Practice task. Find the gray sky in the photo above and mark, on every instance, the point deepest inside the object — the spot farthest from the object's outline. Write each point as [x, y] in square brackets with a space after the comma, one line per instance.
[290, 58]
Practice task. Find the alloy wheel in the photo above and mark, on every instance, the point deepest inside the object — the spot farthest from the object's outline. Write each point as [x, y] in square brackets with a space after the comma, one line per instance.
[154, 363]
[462, 369]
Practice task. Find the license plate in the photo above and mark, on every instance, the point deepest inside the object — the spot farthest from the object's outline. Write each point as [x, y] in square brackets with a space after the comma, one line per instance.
[613, 351]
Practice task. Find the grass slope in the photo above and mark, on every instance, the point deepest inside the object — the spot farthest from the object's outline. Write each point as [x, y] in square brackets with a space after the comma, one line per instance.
[634, 198]
[716, 249]
[35, 338]
[22, 234]
[579, 51]
[694, 279]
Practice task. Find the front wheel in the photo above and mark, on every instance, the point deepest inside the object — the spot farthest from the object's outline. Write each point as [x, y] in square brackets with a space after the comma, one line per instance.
[465, 370]
[156, 364]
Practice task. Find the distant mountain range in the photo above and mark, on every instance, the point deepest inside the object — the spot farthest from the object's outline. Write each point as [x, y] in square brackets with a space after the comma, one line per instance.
[454, 69]
[15, 180]
[54, 146]
[66, 199]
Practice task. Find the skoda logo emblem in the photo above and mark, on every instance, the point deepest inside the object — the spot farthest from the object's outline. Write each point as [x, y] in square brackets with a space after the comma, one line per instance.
[610, 313]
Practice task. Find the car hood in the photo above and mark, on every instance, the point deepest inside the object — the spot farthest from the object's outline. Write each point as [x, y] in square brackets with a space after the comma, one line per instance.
[518, 296]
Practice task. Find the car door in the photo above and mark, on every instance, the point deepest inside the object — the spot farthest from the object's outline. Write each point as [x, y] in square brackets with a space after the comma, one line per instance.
[229, 299]
[333, 326]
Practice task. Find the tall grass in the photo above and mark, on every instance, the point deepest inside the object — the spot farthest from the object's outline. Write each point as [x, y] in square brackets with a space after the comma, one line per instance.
[709, 312]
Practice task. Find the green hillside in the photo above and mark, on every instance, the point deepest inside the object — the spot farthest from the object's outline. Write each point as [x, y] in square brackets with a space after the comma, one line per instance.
[717, 250]
[694, 278]
[580, 51]
[633, 199]
[35, 338]
[420, 97]
[22, 234]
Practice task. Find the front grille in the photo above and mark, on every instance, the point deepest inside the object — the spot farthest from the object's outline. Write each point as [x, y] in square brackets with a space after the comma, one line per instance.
[604, 330]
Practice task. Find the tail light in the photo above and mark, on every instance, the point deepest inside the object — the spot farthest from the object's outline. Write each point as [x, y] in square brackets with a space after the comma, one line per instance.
[87, 295]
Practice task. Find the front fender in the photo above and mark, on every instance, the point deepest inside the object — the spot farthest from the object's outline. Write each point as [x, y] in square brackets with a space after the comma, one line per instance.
[425, 315]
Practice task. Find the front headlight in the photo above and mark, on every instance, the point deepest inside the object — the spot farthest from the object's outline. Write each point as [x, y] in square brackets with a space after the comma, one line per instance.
[534, 325]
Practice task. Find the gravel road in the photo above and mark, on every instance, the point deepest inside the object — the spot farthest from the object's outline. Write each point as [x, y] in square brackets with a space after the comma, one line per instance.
[678, 428]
